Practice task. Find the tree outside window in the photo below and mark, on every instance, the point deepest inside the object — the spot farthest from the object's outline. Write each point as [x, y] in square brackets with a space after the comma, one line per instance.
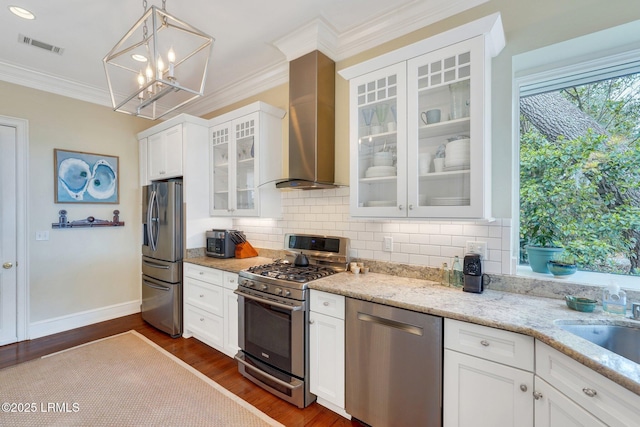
[580, 173]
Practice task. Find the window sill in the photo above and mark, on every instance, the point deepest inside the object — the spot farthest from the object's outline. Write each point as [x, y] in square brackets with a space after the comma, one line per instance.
[587, 278]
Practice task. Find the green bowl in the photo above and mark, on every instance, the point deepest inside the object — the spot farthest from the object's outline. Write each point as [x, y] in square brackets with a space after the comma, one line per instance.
[580, 304]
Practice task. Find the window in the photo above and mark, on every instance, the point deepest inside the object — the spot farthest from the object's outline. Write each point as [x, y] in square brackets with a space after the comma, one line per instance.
[580, 166]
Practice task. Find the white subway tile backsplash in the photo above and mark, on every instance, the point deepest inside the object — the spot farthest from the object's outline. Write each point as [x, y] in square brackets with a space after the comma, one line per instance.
[426, 243]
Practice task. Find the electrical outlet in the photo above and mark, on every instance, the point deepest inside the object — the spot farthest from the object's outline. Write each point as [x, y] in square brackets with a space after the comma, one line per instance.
[42, 235]
[388, 244]
[479, 248]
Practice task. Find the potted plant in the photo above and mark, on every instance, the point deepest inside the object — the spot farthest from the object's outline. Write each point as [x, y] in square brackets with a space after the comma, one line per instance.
[562, 265]
[542, 247]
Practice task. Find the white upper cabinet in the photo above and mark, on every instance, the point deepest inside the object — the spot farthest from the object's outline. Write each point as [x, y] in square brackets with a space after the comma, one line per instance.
[245, 161]
[164, 154]
[420, 127]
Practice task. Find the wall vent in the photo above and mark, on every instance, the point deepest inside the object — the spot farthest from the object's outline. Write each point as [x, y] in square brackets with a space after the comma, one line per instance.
[42, 45]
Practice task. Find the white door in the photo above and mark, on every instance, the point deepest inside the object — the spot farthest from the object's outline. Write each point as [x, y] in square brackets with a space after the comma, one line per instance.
[8, 246]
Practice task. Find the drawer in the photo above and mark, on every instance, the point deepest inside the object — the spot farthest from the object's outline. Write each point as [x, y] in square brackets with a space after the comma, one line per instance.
[610, 402]
[206, 327]
[204, 295]
[508, 348]
[327, 303]
[230, 280]
[207, 274]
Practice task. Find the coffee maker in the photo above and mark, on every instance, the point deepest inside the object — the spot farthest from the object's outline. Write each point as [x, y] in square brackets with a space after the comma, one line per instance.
[472, 270]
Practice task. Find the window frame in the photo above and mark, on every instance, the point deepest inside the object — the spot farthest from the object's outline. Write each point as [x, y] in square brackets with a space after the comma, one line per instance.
[554, 76]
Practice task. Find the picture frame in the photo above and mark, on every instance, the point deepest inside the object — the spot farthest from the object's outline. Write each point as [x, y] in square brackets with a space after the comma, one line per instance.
[81, 177]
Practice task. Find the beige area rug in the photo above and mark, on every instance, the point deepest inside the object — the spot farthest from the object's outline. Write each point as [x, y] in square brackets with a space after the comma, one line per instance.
[124, 380]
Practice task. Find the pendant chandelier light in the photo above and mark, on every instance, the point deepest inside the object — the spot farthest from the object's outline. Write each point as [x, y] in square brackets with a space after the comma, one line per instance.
[158, 66]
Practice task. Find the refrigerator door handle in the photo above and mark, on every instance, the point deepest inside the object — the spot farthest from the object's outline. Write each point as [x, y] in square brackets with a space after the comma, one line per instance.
[152, 227]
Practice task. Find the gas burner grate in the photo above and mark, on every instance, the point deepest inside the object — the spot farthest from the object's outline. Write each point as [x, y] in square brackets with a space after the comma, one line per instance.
[291, 273]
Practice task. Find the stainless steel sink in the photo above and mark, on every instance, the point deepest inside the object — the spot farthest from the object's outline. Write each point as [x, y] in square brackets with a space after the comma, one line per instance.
[622, 340]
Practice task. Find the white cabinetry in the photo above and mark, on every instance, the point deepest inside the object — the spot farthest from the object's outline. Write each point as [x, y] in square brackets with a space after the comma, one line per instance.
[488, 377]
[164, 151]
[209, 310]
[393, 171]
[245, 161]
[178, 148]
[326, 350]
[594, 397]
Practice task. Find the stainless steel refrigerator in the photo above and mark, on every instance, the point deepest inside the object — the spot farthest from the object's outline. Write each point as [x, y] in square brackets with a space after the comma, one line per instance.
[162, 251]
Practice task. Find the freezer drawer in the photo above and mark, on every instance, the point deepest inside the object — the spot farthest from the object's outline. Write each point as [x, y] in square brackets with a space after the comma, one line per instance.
[162, 270]
[162, 305]
[393, 365]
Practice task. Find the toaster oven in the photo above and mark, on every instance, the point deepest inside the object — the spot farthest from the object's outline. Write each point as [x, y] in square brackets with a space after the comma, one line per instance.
[219, 244]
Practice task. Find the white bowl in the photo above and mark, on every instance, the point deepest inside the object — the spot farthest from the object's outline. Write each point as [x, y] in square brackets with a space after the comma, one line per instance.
[382, 161]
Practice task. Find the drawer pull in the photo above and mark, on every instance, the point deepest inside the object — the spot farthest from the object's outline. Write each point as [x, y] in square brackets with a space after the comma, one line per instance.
[202, 319]
[201, 295]
[201, 273]
[537, 395]
[523, 387]
[589, 392]
[326, 303]
[485, 343]
[311, 322]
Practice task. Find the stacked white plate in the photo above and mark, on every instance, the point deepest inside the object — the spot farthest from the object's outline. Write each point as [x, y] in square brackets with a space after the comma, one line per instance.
[379, 203]
[380, 171]
[457, 153]
[450, 201]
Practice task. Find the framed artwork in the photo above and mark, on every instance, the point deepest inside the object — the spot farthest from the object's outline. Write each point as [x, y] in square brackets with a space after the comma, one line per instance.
[85, 178]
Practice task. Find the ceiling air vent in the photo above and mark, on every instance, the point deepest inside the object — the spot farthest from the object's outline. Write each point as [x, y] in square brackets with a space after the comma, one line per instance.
[42, 45]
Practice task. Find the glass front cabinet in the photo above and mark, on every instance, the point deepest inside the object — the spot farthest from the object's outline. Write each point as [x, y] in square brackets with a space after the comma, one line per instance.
[419, 135]
[245, 158]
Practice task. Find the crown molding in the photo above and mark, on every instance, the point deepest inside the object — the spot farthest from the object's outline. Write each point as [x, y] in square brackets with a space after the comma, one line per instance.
[53, 84]
[315, 35]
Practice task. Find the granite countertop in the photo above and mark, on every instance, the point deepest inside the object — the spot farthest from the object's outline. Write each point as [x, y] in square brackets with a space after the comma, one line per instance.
[529, 315]
[232, 265]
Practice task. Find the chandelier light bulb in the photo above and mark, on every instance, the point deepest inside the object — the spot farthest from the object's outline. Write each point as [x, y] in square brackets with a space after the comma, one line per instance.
[160, 66]
[171, 56]
[140, 84]
[149, 73]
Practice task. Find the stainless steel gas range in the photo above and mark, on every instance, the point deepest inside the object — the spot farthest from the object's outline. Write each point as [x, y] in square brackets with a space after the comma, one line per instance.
[273, 314]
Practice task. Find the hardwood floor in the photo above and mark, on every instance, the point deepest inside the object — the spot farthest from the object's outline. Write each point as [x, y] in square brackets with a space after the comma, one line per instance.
[217, 366]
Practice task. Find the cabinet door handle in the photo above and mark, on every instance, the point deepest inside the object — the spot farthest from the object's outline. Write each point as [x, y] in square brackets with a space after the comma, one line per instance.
[400, 207]
[537, 395]
[311, 322]
[410, 207]
[589, 392]
[201, 295]
[326, 303]
[485, 343]
[523, 387]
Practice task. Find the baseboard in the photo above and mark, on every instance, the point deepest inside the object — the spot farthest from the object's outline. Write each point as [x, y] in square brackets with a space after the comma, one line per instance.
[76, 320]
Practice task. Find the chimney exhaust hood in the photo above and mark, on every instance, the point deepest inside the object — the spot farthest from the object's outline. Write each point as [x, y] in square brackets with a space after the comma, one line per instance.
[311, 123]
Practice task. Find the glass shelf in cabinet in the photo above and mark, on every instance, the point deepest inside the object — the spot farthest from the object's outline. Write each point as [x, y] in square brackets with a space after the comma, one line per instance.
[448, 127]
[379, 179]
[443, 175]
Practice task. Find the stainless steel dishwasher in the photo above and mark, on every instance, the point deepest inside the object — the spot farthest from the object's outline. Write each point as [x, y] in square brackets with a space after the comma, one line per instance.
[393, 365]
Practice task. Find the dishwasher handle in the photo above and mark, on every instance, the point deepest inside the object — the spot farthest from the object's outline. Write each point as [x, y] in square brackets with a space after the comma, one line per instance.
[405, 327]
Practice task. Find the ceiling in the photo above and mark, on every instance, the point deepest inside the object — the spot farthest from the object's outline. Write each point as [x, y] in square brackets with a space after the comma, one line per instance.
[254, 39]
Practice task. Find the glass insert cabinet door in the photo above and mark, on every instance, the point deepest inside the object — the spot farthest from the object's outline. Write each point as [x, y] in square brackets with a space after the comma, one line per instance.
[446, 160]
[245, 180]
[378, 155]
[220, 138]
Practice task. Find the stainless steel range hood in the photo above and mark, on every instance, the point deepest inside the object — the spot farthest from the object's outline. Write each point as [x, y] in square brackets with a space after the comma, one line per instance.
[311, 123]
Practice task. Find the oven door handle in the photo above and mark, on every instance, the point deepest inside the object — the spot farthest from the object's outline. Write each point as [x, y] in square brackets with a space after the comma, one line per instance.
[271, 377]
[272, 303]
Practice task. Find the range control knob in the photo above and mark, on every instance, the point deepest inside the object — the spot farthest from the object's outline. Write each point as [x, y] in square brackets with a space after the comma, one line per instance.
[250, 283]
[278, 291]
[287, 292]
[265, 287]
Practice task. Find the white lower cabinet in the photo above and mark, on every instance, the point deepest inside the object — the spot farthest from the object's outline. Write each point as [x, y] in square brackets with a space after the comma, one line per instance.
[554, 409]
[326, 350]
[487, 377]
[602, 401]
[489, 380]
[211, 307]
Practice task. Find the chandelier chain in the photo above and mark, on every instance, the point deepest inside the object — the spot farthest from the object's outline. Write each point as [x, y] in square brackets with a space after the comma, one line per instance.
[144, 26]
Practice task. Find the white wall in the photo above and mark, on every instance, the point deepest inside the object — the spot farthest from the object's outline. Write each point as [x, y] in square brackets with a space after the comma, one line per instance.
[78, 270]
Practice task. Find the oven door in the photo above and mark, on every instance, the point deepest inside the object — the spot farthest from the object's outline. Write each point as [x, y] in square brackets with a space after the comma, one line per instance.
[272, 330]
